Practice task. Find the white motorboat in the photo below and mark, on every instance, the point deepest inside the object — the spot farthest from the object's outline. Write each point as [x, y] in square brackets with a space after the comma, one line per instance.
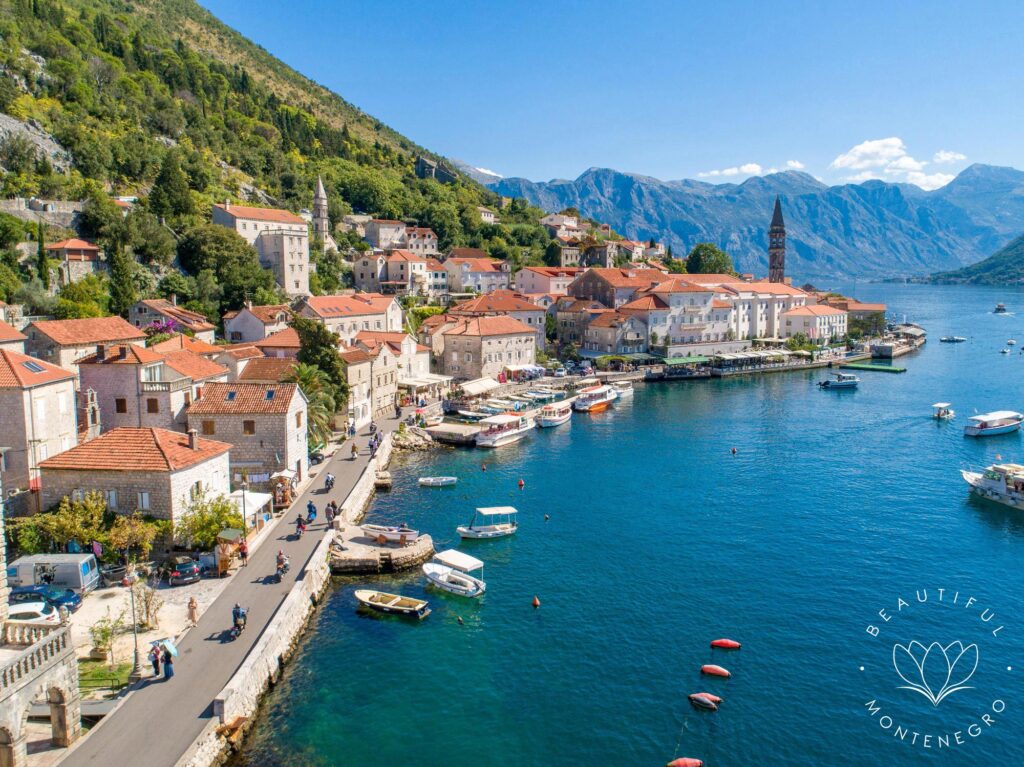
[952, 339]
[437, 481]
[1000, 482]
[996, 422]
[451, 570]
[1011, 342]
[943, 411]
[503, 429]
[595, 399]
[402, 534]
[623, 388]
[1004, 351]
[1000, 309]
[554, 415]
[395, 604]
[490, 522]
[840, 381]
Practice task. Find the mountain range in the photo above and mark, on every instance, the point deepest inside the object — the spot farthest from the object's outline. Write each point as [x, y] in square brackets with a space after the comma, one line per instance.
[873, 229]
[1004, 267]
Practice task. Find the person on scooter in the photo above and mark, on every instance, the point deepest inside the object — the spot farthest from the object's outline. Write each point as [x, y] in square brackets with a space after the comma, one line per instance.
[329, 481]
[300, 525]
[238, 616]
[310, 512]
[355, 451]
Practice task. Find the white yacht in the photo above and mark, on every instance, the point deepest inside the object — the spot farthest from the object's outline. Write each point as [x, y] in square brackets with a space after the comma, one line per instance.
[1000, 482]
[623, 388]
[503, 430]
[996, 422]
[595, 399]
[554, 415]
[450, 570]
[490, 522]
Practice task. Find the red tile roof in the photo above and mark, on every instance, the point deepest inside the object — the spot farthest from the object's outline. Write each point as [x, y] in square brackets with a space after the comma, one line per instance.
[182, 342]
[268, 314]
[270, 215]
[554, 271]
[433, 265]
[9, 333]
[267, 370]
[467, 253]
[483, 264]
[857, 306]
[371, 339]
[130, 449]
[497, 302]
[404, 255]
[355, 356]
[72, 244]
[330, 307]
[817, 310]
[489, 326]
[609, 320]
[121, 354]
[93, 330]
[645, 303]
[192, 365]
[244, 398]
[242, 351]
[718, 303]
[627, 278]
[763, 286]
[282, 339]
[192, 320]
[681, 285]
[712, 279]
[19, 371]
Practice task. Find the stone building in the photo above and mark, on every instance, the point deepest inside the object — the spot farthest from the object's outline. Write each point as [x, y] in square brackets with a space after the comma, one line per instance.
[820, 323]
[777, 245]
[11, 338]
[265, 424]
[154, 471]
[74, 259]
[283, 343]
[236, 359]
[400, 271]
[427, 168]
[280, 237]
[347, 315]
[479, 275]
[39, 418]
[474, 347]
[63, 342]
[613, 287]
[321, 221]
[160, 311]
[505, 303]
[384, 371]
[359, 372]
[573, 317]
[267, 370]
[182, 342]
[615, 333]
[254, 323]
[546, 279]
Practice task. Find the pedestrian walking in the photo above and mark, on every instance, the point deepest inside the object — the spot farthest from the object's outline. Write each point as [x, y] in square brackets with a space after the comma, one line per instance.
[329, 513]
[243, 552]
[168, 664]
[154, 658]
[193, 611]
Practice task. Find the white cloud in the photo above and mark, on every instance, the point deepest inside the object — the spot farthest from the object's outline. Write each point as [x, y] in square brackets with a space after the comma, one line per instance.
[795, 165]
[888, 158]
[747, 169]
[944, 157]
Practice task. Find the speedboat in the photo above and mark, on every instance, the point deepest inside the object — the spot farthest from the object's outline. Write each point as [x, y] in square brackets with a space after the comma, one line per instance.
[1004, 351]
[595, 399]
[402, 534]
[490, 522]
[996, 422]
[623, 388]
[554, 415]
[1000, 482]
[952, 339]
[840, 381]
[1000, 309]
[943, 411]
[437, 481]
[394, 604]
[1011, 341]
[451, 570]
[503, 429]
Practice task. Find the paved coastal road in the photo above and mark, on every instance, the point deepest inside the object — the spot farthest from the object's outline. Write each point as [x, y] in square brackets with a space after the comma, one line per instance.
[158, 722]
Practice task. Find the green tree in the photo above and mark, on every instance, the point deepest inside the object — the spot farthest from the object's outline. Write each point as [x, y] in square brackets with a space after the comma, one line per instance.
[133, 534]
[101, 220]
[82, 521]
[706, 258]
[553, 254]
[42, 262]
[122, 282]
[318, 347]
[205, 516]
[149, 240]
[550, 328]
[170, 195]
[233, 262]
[320, 407]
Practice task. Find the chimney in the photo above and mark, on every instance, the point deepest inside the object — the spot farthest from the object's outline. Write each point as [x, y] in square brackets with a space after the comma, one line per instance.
[227, 204]
[193, 439]
[174, 299]
[248, 304]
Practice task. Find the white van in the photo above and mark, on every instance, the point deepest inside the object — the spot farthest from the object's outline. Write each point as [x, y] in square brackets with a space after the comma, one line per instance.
[78, 572]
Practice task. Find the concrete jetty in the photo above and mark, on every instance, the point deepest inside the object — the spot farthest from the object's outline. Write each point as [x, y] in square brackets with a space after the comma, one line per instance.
[353, 552]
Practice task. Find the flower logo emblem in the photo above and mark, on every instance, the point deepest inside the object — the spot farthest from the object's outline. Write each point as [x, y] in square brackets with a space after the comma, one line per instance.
[935, 671]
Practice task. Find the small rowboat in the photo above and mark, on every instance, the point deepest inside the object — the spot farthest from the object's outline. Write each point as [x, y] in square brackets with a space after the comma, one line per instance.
[685, 761]
[713, 698]
[725, 644]
[713, 670]
[699, 700]
[402, 535]
[393, 604]
[437, 481]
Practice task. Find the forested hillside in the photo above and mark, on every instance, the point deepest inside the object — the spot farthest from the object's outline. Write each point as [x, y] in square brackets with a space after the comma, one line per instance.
[158, 99]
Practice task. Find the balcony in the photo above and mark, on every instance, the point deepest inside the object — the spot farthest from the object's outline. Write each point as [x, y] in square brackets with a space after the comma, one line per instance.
[166, 386]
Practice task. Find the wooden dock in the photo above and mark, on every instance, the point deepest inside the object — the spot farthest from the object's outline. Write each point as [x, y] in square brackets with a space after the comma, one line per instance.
[355, 553]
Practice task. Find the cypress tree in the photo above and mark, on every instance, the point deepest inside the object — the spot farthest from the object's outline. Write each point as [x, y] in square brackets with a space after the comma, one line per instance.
[42, 262]
[170, 195]
[122, 282]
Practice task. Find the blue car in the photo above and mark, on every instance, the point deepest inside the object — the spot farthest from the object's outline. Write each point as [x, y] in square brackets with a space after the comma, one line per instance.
[48, 594]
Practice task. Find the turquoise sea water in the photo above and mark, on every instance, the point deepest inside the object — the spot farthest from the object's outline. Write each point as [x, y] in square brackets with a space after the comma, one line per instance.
[835, 505]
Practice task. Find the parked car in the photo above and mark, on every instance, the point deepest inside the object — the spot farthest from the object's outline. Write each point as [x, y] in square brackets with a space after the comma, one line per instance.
[316, 459]
[56, 597]
[34, 612]
[181, 570]
[561, 373]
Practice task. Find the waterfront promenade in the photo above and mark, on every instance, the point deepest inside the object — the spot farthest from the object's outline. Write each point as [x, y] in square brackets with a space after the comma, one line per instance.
[158, 722]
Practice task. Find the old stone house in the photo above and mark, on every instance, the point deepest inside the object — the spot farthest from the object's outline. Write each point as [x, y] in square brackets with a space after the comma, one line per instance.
[280, 237]
[11, 338]
[546, 279]
[347, 315]
[479, 274]
[505, 303]
[384, 371]
[283, 343]
[615, 333]
[63, 342]
[154, 471]
[613, 287]
[359, 372]
[475, 347]
[237, 358]
[152, 311]
[254, 323]
[182, 342]
[265, 424]
[74, 259]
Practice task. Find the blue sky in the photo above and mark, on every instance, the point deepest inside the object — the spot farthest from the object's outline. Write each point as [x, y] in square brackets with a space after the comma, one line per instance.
[909, 91]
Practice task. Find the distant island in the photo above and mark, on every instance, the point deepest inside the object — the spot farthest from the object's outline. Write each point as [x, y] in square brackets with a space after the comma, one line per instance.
[1004, 267]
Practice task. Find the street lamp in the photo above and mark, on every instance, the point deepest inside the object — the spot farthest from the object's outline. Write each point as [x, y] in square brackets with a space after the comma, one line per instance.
[137, 672]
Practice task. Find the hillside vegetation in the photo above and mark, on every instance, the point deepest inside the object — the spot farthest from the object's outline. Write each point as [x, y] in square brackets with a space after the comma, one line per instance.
[1003, 267]
[158, 99]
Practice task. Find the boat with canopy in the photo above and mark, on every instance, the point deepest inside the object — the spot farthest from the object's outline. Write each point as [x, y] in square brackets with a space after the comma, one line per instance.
[490, 522]
[450, 570]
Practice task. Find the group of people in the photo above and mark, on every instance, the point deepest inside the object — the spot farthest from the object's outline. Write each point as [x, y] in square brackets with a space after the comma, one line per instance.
[160, 655]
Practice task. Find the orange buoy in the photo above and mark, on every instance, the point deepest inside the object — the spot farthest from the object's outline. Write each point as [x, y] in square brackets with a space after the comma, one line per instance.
[713, 670]
[713, 698]
[685, 761]
[521, 484]
[536, 602]
[725, 644]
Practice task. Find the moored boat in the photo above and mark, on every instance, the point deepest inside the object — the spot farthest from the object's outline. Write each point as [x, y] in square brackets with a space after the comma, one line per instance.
[623, 388]
[554, 415]
[393, 604]
[996, 422]
[1000, 309]
[490, 522]
[943, 411]
[952, 339]
[437, 481]
[1000, 482]
[503, 429]
[595, 399]
[451, 570]
[840, 381]
[401, 534]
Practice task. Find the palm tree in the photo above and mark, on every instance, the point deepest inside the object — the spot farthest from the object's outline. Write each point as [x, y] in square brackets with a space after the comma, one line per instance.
[320, 406]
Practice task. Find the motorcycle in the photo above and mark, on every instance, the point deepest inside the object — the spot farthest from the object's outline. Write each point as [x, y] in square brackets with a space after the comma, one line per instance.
[282, 568]
[329, 484]
[238, 625]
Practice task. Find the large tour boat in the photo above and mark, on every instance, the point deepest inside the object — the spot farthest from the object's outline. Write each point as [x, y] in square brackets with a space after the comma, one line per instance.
[1000, 482]
[503, 430]
[554, 415]
[595, 399]
[996, 422]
